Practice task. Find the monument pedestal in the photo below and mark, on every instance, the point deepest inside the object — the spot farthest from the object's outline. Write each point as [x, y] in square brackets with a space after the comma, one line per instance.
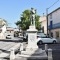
[32, 50]
[32, 38]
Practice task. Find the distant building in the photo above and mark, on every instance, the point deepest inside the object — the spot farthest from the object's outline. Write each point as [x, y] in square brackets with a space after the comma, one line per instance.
[10, 31]
[2, 21]
[17, 32]
[16, 29]
[43, 22]
[54, 23]
[2, 28]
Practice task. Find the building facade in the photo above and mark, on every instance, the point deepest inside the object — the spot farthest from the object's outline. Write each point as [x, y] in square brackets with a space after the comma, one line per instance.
[16, 32]
[43, 22]
[54, 23]
[2, 28]
[10, 31]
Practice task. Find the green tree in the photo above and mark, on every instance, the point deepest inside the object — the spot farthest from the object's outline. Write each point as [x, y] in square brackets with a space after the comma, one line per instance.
[18, 23]
[25, 21]
[38, 25]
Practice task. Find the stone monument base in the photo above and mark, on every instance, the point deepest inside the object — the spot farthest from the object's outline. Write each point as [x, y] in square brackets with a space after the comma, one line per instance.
[32, 47]
[33, 54]
[32, 38]
[32, 51]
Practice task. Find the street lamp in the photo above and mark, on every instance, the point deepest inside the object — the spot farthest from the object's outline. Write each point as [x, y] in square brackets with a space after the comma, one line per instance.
[47, 13]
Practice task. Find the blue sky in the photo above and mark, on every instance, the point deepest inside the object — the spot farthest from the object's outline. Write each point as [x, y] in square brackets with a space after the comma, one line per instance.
[11, 10]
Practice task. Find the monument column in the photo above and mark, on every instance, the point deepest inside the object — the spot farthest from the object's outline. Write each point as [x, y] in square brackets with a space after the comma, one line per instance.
[32, 32]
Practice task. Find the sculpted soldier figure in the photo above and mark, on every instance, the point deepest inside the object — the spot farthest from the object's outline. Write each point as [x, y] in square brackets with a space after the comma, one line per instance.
[33, 12]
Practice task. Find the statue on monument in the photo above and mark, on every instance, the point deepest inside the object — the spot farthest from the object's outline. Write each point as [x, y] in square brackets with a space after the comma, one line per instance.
[33, 12]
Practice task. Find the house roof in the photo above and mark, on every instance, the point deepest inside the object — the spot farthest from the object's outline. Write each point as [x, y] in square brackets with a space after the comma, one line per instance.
[9, 28]
[54, 10]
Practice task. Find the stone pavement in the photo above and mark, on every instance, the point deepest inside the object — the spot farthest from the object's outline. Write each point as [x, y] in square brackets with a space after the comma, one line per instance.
[6, 45]
[21, 58]
[34, 56]
[5, 48]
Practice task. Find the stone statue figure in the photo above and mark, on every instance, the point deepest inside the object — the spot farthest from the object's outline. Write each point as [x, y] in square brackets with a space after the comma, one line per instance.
[33, 12]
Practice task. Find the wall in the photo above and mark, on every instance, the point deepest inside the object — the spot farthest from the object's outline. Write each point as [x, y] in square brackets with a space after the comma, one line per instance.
[43, 23]
[2, 34]
[55, 17]
[56, 22]
[54, 32]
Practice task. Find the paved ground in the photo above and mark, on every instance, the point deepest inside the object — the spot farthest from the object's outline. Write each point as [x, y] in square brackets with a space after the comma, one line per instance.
[6, 44]
[55, 50]
[28, 59]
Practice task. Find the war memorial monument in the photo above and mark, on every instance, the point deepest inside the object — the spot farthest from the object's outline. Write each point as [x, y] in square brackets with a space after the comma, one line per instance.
[32, 51]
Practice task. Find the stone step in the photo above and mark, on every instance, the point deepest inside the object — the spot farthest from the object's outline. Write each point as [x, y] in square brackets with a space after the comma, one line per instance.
[42, 56]
[35, 55]
[34, 52]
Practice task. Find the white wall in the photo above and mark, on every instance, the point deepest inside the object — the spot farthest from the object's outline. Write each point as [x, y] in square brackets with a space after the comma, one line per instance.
[43, 23]
[2, 34]
[4, 29]
[55, 17]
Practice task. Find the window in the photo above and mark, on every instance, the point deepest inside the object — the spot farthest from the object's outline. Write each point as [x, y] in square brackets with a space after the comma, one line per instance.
[51, 23]
[50, 16]
[51, 34]
[57, 34]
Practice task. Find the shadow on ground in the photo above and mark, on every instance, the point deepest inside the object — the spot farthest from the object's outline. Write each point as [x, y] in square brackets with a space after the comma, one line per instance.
[12, 40]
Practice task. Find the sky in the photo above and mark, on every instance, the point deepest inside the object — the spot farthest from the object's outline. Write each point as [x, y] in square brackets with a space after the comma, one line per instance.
[11, 10]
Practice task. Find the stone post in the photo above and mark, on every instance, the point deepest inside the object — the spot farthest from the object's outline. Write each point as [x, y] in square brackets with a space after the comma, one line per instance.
[12, 54]
[21, 47]
[50, 54]
[46, 47]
